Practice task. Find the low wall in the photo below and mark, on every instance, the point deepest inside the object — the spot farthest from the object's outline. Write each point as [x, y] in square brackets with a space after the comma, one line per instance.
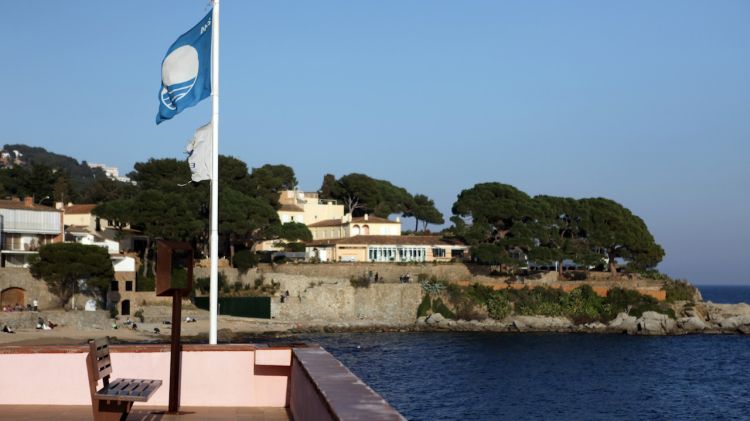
[219, 375]
[323, 389]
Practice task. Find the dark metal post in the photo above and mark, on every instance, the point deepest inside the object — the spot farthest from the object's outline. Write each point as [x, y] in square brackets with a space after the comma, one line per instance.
[174, 365]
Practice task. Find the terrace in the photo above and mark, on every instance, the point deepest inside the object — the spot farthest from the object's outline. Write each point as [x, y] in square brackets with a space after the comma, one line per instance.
[218, 382]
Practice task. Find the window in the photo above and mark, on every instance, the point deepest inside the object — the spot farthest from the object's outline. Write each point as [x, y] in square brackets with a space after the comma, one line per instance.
[128, 285]
[113, 286]
[438, 252]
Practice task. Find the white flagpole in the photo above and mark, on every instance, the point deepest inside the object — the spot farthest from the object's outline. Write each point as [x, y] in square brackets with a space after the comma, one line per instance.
[214, 281]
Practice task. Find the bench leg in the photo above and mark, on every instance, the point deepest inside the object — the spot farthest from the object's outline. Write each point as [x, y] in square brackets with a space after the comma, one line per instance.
[105, 410]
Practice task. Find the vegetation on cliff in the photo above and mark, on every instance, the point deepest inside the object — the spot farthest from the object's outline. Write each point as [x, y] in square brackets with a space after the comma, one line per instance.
[581, 305]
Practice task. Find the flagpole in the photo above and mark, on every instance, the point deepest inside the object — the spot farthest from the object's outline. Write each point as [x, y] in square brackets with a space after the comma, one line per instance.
[214, 281]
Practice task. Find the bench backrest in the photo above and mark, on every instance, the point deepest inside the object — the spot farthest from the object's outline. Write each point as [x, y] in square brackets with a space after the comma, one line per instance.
[101, 363]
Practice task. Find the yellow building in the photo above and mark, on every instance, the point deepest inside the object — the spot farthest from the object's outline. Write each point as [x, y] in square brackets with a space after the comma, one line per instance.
[348, 226]
[307, 208]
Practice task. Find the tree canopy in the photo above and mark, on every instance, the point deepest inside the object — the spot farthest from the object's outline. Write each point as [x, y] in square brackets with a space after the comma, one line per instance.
[62, 265]
[547, 229]
[423, 209]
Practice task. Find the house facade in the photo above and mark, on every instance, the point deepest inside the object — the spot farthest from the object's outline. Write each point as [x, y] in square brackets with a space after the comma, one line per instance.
[307, 207]
[387, 249]
[25, 226]
[349, 226]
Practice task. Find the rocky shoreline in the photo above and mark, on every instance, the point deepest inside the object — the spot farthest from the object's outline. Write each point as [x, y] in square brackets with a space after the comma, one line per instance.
[699, 318]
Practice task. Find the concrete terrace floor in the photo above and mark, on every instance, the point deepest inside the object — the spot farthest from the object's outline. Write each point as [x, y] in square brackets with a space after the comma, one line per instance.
[76, 413]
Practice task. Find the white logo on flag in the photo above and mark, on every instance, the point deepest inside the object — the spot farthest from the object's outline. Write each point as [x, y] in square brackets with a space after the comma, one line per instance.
[178, 75]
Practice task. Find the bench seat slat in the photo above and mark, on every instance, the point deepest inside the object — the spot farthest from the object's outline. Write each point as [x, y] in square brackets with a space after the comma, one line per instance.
[137, 390]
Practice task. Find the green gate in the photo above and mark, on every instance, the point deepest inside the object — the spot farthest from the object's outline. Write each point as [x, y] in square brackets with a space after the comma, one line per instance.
[257, 307]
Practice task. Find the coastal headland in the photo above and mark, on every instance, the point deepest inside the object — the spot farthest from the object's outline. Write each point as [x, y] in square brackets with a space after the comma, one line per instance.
[309, 298]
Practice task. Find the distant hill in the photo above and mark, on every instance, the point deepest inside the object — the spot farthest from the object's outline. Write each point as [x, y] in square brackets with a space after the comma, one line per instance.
[81, 175]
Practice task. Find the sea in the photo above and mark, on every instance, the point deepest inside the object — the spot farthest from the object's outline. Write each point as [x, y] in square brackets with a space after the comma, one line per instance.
[508, 376]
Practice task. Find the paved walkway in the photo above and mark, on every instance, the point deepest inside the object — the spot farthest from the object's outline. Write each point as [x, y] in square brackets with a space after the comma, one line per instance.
[76, 413]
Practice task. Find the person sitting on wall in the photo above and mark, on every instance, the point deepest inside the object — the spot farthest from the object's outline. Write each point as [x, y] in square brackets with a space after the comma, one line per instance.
[39, 323]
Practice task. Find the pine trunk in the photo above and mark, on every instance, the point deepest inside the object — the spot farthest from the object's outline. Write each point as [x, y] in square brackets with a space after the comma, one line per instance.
[145, 256]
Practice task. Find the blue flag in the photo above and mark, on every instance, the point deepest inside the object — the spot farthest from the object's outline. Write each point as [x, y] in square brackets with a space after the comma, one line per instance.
[186, 71]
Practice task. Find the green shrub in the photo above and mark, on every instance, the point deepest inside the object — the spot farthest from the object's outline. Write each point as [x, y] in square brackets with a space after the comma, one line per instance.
[279, 260]
[480, 294]
[622, 300]
[145, 283]
[575, 275]
[295, 247]
[139, 315]
[582, 305]
[539, 301]
[424, 306]
[678, 290]
[203, 284]
[244, 260]
[113, 312]
[360, 281]
[439, 307]
[655, 275]
[499, 306]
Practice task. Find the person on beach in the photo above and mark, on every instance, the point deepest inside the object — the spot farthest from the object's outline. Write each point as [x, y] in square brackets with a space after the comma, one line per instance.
[35, 305]
[7, 329]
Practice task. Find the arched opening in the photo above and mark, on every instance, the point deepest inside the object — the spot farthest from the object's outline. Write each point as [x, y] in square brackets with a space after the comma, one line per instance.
[355, 230]
[125, 307]
[13, 296]
[365, 230]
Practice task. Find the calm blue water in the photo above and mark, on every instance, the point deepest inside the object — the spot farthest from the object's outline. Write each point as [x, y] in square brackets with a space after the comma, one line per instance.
[729, 294]
[485, 376]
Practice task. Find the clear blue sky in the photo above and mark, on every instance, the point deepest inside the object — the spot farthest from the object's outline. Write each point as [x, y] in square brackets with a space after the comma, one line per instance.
[644, 102]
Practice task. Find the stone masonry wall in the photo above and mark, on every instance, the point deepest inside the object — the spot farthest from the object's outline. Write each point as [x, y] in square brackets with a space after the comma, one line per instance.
[315, 299]
[35, 288]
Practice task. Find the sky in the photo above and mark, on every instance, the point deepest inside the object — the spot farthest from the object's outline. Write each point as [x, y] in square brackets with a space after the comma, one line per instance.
[643, 102]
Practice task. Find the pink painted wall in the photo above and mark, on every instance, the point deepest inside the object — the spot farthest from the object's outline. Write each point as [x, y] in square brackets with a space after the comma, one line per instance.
[209, 378]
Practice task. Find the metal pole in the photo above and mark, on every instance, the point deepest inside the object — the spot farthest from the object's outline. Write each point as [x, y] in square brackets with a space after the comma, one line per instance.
[175, 353]
[214, 282]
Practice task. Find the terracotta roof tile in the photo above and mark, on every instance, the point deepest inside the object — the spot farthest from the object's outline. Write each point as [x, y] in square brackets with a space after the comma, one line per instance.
[79, 209]
[14, 204]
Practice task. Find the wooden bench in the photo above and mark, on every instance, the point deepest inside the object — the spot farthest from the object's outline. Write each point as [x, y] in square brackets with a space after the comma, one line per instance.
[115, 399]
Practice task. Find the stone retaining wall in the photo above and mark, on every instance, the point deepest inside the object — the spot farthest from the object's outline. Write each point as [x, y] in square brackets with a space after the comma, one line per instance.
[34, 288]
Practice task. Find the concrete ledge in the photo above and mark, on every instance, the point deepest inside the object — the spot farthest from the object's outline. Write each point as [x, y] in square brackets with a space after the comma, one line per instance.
[324, 389]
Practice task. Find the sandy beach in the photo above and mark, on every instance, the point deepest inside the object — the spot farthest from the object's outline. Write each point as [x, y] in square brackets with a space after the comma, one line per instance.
[229, 327]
